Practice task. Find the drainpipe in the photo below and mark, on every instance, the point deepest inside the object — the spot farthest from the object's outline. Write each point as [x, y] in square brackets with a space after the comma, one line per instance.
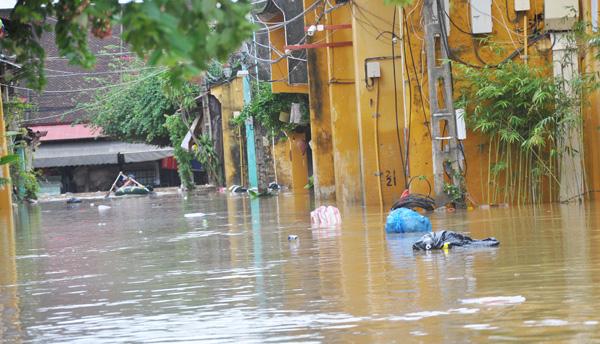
[250, 142]
[405, 92]
[23, 166]
[205, 107]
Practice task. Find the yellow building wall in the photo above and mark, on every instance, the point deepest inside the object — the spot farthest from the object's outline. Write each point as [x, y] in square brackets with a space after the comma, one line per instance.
[283, 162]
[380, 125]
[344, 122]
[279, 69]
[291, 161]
[344, 110]
[591, 117]
[5, 191]
[231, 97]
[320, 113]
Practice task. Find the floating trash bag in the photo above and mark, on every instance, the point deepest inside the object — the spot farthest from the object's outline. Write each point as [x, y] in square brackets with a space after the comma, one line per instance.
[449, 239]
[404, 220]
[325, 216]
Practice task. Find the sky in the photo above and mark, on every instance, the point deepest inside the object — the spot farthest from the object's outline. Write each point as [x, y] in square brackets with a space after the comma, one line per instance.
[7, 4]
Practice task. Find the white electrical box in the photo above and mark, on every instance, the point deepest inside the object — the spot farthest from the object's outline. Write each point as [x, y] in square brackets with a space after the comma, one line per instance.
[373, 70]
[481, 16]
[522, 5]
[560, 15]
[461, 126]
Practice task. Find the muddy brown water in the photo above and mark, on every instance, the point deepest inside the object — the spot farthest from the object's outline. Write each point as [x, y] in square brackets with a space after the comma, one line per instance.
[143, 272]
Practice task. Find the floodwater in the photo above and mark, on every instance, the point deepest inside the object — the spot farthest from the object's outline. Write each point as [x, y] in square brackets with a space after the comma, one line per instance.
[143, 272]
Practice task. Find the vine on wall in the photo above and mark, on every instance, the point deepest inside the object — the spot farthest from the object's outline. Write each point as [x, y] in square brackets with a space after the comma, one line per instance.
[266, 107]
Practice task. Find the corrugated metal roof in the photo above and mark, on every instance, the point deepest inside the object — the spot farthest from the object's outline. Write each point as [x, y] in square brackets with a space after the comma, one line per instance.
[58, 154]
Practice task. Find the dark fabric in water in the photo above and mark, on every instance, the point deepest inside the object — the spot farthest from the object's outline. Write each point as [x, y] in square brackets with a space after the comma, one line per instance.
[436, 240]
[413, 201]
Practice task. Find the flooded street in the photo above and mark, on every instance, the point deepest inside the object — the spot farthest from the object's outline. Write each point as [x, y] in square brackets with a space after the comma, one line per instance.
[143, 272]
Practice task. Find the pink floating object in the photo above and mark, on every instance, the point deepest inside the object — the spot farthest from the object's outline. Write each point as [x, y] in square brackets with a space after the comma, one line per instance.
[325, 216]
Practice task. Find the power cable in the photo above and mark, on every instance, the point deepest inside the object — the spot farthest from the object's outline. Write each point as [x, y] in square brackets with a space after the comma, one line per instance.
[394, 39]
[86, 89]
[419, 85]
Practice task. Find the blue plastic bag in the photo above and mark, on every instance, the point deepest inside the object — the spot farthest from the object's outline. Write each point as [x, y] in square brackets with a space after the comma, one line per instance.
[404, 220]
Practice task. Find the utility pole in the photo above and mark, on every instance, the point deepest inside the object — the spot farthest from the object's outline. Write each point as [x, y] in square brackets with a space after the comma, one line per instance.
[205, 106]
[445, 153]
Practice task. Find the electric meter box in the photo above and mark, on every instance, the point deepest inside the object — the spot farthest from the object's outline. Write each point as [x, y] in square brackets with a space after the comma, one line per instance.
[373, 70]
[522, 5]
[560, 15]
[481, 16]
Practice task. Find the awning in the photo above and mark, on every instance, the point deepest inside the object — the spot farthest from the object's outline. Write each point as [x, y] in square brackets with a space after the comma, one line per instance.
[66, 132]
[95, 153]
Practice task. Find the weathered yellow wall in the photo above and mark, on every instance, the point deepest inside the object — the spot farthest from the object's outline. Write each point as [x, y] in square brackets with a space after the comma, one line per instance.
[279, 70]
[231, 97]
[5, 191]
[343, 109]
[344, 122]
[320, 114]
[591, 118]
[376, 103]
[283, 162]
[291, 161]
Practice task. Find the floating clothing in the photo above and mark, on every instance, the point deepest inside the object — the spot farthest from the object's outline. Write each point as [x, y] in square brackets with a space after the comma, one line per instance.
[449, 239]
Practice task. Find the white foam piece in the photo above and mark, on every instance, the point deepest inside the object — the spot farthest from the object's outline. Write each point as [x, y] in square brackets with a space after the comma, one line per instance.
[193, 215]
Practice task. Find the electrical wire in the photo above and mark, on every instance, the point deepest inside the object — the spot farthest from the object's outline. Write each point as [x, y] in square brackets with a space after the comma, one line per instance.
[406, 158]
[278, 25]
[97, 103]
[101, 73]
[96, 55]
[86, 89]
[396, 99]
[419, 85]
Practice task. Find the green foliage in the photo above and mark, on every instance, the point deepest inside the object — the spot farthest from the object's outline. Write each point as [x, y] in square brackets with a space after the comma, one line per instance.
[7, 160]
[266, 106]
[179, 36]
[136, 111]
[514, 102]
[454, 192]
[310, 184]
[142, 111]
[207, 156]
[15, 109]
[255, 194]
[177, 130]
[28, 179]
[526, 112]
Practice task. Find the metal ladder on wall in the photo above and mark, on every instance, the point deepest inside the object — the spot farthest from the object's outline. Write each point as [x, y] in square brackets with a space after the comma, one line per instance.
[445, 150]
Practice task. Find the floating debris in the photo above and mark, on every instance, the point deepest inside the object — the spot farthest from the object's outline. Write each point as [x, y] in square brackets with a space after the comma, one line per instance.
[495, 300]
[325, 216]
[193, 215]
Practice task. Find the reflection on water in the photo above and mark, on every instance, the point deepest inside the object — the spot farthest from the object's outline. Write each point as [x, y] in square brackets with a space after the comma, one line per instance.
[141, 271]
